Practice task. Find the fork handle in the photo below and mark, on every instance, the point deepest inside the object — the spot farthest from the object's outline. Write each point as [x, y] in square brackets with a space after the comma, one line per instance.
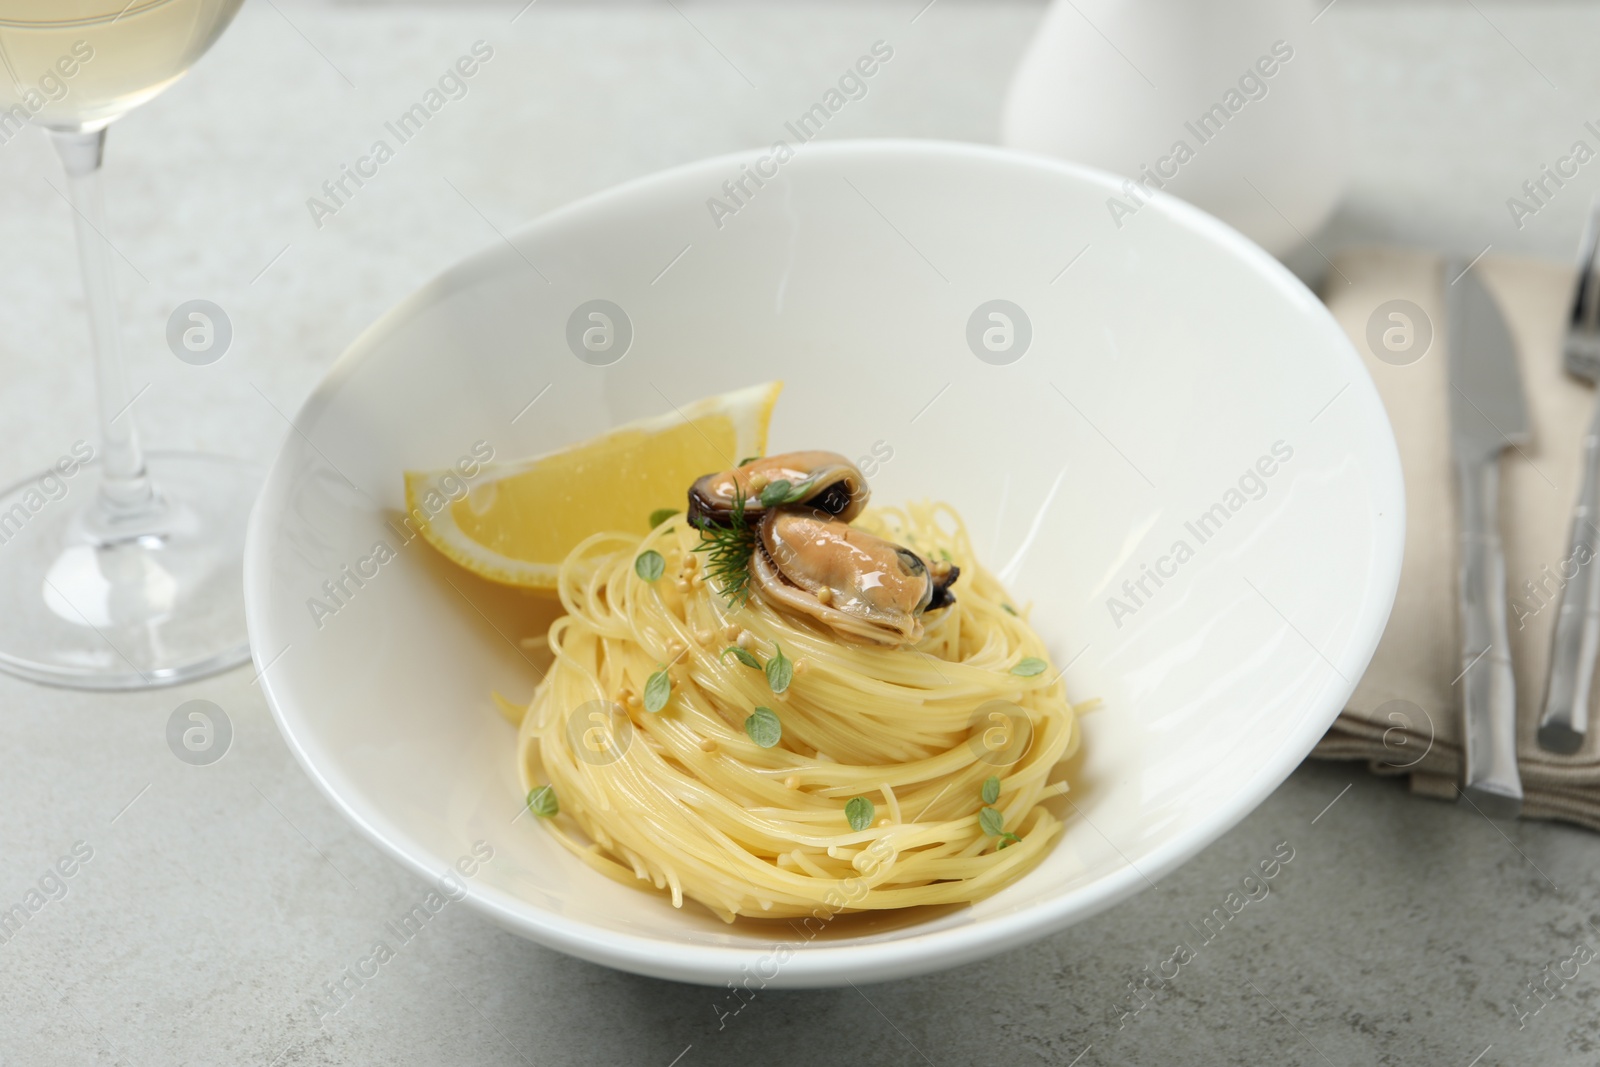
[1565, 719]
[1488, 688]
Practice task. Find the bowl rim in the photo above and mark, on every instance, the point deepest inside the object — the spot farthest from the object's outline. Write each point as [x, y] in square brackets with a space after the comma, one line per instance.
[836, 963]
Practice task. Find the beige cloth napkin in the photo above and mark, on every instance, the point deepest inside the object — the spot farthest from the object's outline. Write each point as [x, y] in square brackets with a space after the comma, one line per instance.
[1404, 716]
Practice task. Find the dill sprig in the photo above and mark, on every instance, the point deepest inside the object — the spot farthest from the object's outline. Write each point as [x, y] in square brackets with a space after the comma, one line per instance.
[728, 551]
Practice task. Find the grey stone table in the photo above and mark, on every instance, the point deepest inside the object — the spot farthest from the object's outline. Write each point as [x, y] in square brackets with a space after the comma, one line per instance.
[215, 902]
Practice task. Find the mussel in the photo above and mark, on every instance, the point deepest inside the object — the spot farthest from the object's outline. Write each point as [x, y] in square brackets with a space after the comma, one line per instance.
[822, 481]
[860, 585]
[807, 558]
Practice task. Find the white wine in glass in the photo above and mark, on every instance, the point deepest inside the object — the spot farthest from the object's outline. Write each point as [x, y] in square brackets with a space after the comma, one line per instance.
[107, 57]
[128, 576]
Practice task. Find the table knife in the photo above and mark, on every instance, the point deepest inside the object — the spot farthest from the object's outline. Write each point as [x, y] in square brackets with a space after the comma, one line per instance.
[1488, 414]
[1576, 641]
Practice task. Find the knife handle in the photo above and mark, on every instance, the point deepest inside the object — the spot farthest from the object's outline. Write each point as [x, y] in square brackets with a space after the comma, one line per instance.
[1488, 689]
[1565, 718]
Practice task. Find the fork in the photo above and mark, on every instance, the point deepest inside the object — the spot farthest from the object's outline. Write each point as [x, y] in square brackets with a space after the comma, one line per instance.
[1565, 718]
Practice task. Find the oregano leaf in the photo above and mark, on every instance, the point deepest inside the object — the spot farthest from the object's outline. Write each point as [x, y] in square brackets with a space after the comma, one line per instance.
[657, 690]
[743, 656]
[775, 493]
[763, 727]
[542, 802]
[780, 672]
[649, 565]
[859, 812]
[991, 789]
[992, 821]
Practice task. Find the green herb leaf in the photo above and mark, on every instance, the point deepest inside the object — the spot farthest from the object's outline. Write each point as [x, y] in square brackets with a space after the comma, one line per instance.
[948, 558]
[991, 789]
[1008, 838]
[649, 565]
[1009, 609]
[780, 672]
[742, 656]
[992, 821]
[661, 515]
[1029, 667]
[763, 727]
[542, 802]
[748, 459]
[798, 491]
[860, 812]
[657, 690]
[775, 493]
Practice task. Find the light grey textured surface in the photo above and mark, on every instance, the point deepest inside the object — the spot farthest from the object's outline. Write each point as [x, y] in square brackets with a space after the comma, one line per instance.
[220, 899]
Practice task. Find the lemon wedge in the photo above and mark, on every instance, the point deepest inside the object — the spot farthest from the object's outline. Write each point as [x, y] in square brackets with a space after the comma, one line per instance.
[515, 522]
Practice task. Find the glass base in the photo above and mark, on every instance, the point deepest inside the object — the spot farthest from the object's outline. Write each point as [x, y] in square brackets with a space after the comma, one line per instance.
[157, 606]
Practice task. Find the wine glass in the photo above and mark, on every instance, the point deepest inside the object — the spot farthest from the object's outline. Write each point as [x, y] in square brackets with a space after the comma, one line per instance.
[127, 574]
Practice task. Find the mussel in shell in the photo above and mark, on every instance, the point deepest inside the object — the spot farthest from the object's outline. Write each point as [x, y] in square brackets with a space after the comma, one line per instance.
[821, 481]
[858, 584]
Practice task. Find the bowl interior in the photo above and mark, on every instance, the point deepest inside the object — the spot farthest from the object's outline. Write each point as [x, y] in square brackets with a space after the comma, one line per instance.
[1186, 473]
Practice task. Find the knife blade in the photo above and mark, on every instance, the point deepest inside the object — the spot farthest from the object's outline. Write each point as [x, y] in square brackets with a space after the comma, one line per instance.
[1488, 414]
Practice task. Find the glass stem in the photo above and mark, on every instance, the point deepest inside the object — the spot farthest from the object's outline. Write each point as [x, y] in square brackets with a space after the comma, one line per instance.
[125, 494]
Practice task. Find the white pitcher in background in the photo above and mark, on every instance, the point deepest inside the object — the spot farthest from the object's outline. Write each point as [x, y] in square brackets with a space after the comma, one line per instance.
[1228, 104]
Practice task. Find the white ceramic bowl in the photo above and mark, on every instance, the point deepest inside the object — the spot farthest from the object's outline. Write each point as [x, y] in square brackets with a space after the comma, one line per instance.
[1170, 360]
